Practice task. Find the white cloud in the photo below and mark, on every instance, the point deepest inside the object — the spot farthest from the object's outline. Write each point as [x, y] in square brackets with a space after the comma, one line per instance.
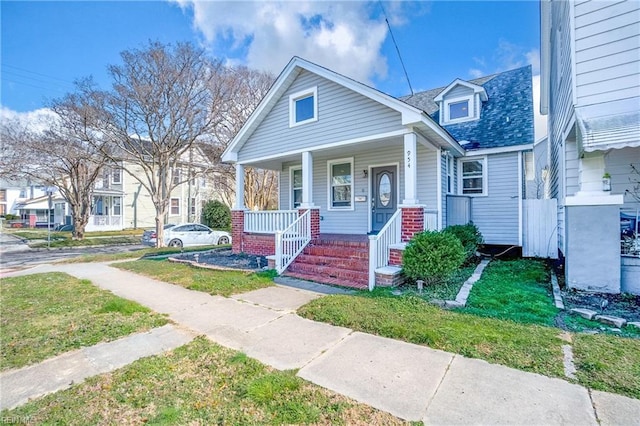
[37, 120]
[476, 73]
[342, 36]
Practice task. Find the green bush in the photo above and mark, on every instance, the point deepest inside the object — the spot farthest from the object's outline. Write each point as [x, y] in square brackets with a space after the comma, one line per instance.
[470, 237]
[216, 215]
[432, 256]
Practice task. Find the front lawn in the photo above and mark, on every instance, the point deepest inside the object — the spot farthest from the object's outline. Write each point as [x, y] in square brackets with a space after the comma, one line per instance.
[525, 347]
[135, 254]
[212, 281]
[199, 383]
[47, 314]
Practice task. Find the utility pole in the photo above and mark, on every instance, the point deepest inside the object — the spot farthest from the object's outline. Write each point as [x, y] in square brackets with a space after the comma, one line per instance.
[50, 190]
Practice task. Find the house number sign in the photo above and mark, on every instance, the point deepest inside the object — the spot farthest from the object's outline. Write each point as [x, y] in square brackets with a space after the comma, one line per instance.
[408, 159]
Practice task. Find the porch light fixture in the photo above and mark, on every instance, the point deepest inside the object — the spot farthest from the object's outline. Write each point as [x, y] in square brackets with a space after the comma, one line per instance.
[365, 173]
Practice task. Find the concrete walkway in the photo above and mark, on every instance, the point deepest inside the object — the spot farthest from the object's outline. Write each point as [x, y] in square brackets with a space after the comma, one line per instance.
[410, 381]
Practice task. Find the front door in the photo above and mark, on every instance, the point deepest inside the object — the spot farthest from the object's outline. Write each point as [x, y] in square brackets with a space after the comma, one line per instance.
[383, 196]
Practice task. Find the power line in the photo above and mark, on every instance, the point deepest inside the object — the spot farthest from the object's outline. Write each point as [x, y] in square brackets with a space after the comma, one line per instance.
[397, 48]
[36, 73]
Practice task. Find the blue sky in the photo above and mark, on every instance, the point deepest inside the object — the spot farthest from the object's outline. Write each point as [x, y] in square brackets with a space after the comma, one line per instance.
[45, 46]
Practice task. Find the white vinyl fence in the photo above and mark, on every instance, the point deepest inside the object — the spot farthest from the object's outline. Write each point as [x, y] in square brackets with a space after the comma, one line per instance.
[540, 228]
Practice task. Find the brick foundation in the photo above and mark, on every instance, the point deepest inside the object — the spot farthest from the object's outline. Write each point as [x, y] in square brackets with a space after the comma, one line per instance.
[412, 222]
[395, 256]
[259, 244]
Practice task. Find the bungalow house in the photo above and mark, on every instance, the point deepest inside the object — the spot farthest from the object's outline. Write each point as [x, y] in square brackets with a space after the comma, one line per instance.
[590, 89]
[361, 171]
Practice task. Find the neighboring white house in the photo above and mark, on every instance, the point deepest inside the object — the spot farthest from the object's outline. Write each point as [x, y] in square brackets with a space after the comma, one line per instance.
[590, 89]
[364, 170]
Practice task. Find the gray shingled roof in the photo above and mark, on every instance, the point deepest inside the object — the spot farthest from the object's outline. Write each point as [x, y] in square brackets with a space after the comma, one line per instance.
[506, 118]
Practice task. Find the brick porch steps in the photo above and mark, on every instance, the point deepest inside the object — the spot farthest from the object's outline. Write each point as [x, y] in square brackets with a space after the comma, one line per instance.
[336, 260]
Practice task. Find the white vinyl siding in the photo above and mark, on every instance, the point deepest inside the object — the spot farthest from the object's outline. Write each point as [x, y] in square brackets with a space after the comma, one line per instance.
[496, 215]
[342, 115]
[607, 51]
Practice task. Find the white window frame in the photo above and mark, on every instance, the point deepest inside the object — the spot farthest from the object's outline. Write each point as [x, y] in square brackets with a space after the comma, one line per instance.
[485, 175]
[291, 187]
[313, 91]
[450, 176]
[171, 206]
[193, 207]
[117, 202]
[330, 206]
[472, 109]
[176, 174]
[116, 172]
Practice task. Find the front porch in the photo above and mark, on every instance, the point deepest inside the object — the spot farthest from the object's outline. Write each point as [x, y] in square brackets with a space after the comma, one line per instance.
[296, 246]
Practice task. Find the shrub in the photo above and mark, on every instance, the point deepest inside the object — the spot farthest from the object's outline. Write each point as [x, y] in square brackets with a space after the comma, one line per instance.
[432, 256]
[216, 215]
[470, 237]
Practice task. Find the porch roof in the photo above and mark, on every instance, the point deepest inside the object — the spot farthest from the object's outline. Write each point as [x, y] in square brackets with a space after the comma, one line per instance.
[412, 118]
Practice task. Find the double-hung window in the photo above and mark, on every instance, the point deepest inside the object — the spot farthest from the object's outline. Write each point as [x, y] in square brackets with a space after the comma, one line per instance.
[341, 184]
[174, 207]
[303, 107]
[117, 206]
[296, 187]
[116, 176]
[474, 176]
[449, 161]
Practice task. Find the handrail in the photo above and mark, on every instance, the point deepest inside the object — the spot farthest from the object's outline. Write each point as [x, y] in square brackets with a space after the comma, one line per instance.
[379, 245]
[291, 241]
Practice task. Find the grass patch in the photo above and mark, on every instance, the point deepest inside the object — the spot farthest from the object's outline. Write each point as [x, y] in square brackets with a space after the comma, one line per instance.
[47, 314]
[41, 234]
[87, 241]
[217, 282]
[448, 290]
[199, 383]
[518, 290]
[525, 347]
[136, 254]
[608, 363]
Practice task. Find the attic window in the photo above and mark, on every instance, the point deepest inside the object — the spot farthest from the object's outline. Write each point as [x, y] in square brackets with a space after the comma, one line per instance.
[303, 107]
[459, 109]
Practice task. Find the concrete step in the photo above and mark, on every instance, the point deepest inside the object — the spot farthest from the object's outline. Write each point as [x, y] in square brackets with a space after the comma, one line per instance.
[327, 280]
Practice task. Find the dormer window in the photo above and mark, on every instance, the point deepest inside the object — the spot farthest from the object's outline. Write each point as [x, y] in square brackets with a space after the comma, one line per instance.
[460, 101]
[459, 110]
[303, 107]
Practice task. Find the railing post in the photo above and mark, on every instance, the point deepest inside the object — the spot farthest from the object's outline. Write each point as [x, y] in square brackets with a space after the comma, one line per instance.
[373, 261]
[279, 261]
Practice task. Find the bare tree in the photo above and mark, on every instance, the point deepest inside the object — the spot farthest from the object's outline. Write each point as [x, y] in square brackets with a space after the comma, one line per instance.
[248, 87]
[67, 154]
[164, 100]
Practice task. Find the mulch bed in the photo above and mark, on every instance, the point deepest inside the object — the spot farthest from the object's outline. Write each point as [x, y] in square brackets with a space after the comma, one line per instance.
[226, 259]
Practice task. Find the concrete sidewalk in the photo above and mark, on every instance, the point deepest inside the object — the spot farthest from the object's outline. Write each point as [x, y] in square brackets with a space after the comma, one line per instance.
[410, 381]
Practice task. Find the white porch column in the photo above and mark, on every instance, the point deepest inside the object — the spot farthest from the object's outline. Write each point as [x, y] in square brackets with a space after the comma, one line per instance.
[410, 170]
[239, 187]
[307, 180]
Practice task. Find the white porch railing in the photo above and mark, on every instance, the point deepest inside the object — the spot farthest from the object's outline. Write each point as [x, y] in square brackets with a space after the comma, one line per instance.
[379, 245]
[430, 220]
[270, 221]
[106, 220]
[291, 241]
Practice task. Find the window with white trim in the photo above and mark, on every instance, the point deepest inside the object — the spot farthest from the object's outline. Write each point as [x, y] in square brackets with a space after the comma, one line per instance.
[175, 174]
[303, 107]
[458, 110]
[295, 174]
[449, 173]
[341, 184]
[473, 174]
[117, 206]
[116, 176]
[174, 207]
[192, 207]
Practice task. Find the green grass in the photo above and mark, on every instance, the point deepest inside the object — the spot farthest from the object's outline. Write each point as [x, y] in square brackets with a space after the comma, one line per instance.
[147, 252]
[526, 347]
[47, 314]
[87, 241]
[608, 363]
[447, 290]
[199, 383]
[41, 234]
[518, 290]
[212, 281]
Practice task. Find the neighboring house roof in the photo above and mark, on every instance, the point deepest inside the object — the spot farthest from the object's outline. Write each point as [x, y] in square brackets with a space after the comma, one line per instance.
[410, 114]
[506, 118]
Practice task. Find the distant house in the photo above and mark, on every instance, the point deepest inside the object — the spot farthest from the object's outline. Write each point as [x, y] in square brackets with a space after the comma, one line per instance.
[590, 89]
[361, 172]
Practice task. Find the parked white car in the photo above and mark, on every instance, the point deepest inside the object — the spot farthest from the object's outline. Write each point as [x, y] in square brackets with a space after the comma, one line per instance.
[194, 234]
